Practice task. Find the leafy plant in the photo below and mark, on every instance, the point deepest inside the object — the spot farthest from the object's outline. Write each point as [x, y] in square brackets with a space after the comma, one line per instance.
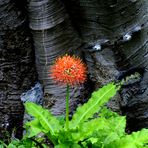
[25, 142]
[92, 125]
[82, 125]
[107, 130]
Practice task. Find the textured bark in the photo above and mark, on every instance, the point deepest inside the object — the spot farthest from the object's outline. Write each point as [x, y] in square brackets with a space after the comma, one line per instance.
[117, 31]
[112, 35]
[53, 36]
[17, 69]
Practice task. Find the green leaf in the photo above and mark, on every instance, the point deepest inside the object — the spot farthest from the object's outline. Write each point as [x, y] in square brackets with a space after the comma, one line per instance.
[35, 128]
[135, 140]
[86, 129]
[62, 146]
[93, 140]
[61, 119]
[21, 146]
[97, 99]
[74, 145]
[116, 127]
[2, 144]
[108, 128]
[11, 146]
[47, 121]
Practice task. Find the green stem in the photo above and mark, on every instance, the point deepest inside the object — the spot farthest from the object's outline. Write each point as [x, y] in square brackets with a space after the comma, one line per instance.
[67, 107]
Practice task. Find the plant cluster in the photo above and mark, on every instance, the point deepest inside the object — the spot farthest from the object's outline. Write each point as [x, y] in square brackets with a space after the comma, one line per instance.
[104, 130]
[92, 124]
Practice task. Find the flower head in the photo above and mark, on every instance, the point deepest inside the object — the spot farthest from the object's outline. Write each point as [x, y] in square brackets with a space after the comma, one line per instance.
[69, 70]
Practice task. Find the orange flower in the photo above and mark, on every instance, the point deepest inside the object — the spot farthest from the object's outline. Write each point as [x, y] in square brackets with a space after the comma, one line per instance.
[69, 70]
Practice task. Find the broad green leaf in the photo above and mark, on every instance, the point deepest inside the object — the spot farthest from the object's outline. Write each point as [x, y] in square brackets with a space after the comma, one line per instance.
[2, 144]
[27, 142]
[89, 140]
[97, 99]
[11, 146]
[111, 127]
[61, 119]
[114, 121]
[34, 128]
[86, 129]
[135, 140]
[74, 145]
[21, 146]
[48, 121]
[93, 140]
[62, 146]
[116, 128]
[65, 136]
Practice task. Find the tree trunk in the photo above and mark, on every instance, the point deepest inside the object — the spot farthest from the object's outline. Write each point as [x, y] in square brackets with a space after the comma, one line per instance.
[116, 42]
[110, 35]
[53, 36]
[17, 69]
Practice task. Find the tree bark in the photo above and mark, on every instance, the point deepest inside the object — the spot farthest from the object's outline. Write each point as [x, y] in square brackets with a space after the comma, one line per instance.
[116, 38]
[53, 36]
[17, 68]
[110, 35]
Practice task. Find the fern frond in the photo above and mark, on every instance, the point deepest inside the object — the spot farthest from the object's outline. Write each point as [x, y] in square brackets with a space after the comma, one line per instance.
[47, 121]
[98, 98]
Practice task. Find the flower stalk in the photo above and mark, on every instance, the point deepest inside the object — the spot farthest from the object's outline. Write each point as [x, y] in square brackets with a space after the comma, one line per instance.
[70, 71]
[67, 106]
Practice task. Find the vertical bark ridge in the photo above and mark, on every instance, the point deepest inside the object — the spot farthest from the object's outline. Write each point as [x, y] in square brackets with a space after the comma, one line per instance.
[17, 69]
[53, 37]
